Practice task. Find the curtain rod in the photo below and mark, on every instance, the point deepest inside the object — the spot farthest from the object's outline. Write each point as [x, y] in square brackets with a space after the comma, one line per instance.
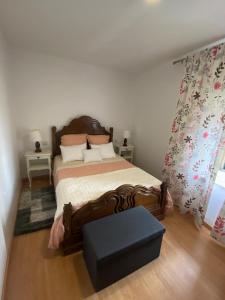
[184, 57]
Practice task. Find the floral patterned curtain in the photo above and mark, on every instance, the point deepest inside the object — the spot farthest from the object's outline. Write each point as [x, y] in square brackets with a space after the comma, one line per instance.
[198, 133]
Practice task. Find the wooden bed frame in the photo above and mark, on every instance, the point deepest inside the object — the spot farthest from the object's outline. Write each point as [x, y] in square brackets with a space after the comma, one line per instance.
[122, 198]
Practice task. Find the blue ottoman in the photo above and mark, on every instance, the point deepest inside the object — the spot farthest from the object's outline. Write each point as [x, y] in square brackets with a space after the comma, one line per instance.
[119, 244]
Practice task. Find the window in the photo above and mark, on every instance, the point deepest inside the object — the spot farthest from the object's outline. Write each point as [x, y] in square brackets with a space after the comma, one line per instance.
[223, 162]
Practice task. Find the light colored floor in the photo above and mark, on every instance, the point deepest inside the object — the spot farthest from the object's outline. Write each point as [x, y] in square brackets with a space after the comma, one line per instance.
[191, 266]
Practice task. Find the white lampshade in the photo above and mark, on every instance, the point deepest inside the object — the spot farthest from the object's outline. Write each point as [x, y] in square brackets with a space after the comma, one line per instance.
[126, 134]
[35, 136]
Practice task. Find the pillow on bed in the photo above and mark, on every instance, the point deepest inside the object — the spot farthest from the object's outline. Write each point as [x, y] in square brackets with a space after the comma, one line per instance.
[71, 153]
[106, 150]
[92, 155]
[98, 139]
[73, 139]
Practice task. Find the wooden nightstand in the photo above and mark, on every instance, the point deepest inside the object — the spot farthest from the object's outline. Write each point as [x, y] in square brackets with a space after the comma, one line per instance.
[126, 151]
[38, 161]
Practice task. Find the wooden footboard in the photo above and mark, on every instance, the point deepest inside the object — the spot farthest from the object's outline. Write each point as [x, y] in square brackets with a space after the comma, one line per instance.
[115, 201]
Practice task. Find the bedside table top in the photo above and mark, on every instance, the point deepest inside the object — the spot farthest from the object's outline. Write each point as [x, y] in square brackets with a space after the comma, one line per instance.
[128, 147]
[45, 152]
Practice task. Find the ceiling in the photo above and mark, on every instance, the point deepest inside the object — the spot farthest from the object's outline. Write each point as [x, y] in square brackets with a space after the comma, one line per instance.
[130, 35]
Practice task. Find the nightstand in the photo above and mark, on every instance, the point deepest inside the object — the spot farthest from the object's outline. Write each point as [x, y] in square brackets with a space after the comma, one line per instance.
[37, 162]
[126, 151]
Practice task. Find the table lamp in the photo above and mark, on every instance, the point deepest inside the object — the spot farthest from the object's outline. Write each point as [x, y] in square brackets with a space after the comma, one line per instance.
[126, 135]
[35, 137]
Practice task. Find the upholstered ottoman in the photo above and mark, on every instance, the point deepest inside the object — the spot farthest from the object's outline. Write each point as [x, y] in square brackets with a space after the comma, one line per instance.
[119, 244]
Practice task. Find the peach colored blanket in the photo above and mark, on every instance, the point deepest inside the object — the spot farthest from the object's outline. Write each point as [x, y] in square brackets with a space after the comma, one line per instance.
[91, 170]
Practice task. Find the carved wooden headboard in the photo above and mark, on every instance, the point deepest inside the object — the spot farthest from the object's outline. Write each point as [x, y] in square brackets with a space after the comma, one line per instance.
[83, 124]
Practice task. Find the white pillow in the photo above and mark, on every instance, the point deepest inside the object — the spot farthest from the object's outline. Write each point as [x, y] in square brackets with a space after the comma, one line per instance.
[71, 153]
[106, 150]
[92, 155]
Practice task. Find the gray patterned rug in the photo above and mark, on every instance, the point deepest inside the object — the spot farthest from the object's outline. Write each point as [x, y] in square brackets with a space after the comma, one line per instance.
[36, 210]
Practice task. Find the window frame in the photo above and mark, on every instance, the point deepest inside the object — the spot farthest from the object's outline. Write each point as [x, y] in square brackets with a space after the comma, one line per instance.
[223, 162]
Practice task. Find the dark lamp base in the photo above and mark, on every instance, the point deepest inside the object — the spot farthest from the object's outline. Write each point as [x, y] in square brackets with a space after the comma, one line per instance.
[38, 147]
[125, 142]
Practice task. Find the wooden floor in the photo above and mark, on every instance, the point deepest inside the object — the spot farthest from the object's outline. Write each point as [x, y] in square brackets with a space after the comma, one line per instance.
[191, 266]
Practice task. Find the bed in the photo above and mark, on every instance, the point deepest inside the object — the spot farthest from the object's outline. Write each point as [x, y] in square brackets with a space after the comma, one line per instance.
[86, 192]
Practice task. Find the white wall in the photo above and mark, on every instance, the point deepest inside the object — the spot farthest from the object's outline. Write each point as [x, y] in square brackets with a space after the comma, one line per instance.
[157, 96]
[216, 199]
[50, 91]
[8, 162]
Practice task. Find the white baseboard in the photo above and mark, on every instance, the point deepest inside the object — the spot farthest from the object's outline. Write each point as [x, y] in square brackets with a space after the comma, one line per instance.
[12, 217]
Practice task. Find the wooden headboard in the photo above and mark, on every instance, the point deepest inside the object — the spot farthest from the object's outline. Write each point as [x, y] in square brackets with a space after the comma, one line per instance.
[83, 124]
